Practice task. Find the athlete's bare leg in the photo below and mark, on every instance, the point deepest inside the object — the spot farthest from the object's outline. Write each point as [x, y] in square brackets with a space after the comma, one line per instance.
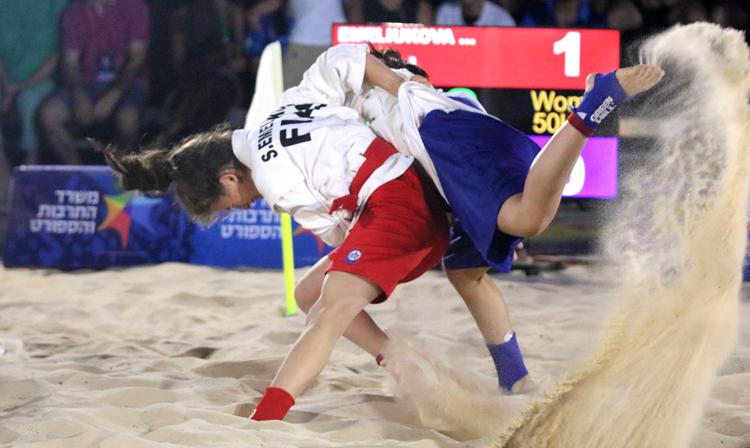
[530, 212]
[484, 300]
[53, 117]
[344, 296]
[488, 307]
[363, 331]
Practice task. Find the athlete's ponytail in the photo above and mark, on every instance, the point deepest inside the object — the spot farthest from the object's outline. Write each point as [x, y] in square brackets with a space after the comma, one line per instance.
[193, 166]
[148, 172]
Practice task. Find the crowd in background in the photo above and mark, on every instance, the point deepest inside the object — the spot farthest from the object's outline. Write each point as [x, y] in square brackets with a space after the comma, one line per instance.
[149, 72]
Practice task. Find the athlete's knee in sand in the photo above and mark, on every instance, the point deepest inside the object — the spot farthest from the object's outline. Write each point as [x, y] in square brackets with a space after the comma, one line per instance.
[333, 302]
[343, 297]
[310, 286]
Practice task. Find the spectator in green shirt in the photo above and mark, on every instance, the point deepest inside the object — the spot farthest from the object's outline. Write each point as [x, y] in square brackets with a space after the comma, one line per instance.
[28, 56]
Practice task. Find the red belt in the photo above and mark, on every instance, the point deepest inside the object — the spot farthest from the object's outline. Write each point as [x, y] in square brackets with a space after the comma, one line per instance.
[377, 153]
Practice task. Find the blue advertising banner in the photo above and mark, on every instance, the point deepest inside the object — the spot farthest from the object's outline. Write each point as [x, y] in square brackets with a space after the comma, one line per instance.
[255, 235]
[78, 217]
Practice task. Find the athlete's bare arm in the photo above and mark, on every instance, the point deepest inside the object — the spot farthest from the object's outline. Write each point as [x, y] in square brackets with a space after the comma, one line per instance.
[379, 75]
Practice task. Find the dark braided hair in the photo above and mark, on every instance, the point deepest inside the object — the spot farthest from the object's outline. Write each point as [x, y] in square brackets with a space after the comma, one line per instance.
[392, 58]
[148, 172]
[192, 168]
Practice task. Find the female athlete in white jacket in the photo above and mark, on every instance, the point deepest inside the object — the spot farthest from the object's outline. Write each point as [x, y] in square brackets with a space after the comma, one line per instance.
[315, 159]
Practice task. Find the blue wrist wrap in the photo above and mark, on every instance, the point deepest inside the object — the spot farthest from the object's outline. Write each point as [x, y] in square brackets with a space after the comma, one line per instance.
[597, 103]
[508, 362]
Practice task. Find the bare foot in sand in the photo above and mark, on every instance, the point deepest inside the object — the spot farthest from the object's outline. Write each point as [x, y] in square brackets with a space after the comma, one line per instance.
[633, 80]
[523, 386]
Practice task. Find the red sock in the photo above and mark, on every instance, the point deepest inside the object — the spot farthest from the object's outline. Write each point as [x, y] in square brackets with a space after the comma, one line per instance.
[274, 405]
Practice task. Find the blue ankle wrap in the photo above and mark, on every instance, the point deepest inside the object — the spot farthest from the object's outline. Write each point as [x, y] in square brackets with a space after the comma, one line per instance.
[508, 362]
[597, 103]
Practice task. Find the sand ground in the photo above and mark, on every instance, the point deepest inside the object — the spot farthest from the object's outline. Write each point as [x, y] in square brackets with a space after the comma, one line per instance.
[177, 355]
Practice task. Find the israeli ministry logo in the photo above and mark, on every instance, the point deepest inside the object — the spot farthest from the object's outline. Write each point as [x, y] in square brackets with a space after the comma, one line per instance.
[353, 256]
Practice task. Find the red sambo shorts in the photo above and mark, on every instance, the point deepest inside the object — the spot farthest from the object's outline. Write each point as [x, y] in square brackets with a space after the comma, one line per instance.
[402, 231]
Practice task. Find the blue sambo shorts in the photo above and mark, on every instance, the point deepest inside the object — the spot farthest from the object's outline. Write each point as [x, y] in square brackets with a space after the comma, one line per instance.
[481, 162]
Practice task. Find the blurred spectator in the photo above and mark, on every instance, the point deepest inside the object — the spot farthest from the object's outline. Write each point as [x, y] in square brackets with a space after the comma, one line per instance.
[623, 15]
[103, 45]
[266, 21]
[28, 57]
[600, 7]
[729, 13]
[516, 8]
[160, 76]
[563, 14]
[311, 34]
[398, 11]
[655, 14]
[688, 11]
[473, 13]
[205, 39]
[4, 183]
[478, 13]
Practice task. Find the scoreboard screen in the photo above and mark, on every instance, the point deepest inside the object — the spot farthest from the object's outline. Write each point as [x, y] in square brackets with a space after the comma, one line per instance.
[527, 77]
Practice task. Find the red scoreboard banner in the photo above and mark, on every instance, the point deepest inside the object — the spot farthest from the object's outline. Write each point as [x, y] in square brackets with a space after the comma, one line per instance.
[506, 58]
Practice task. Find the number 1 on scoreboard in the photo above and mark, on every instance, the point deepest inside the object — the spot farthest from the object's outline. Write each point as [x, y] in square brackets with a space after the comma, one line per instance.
[571, 46]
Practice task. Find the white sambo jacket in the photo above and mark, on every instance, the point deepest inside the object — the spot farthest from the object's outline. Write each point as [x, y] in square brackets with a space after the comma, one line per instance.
[397, 120]
[307, 152]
